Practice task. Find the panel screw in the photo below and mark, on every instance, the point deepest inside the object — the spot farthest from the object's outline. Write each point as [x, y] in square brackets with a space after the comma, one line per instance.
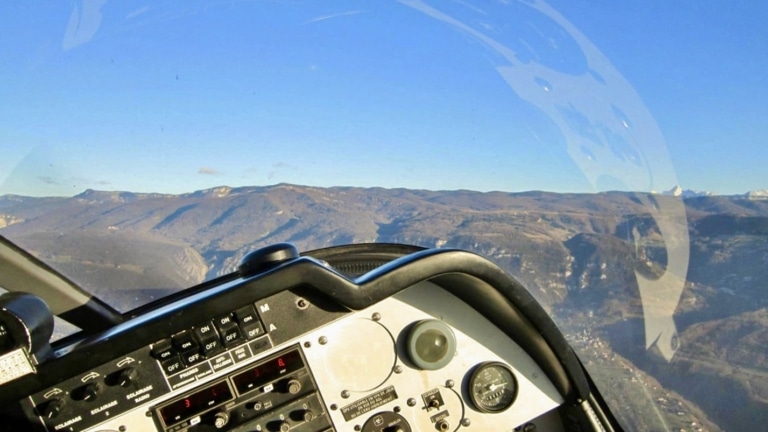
[122, 428]
[396, 409]
[449, 383]
[398, 369]
[334, 407]
[302, 303]
[411, 402]
[345, 394]
[376, 316]
[307, 344]
[357, 427]
[466, 422]
[674, 342]
[323, 340]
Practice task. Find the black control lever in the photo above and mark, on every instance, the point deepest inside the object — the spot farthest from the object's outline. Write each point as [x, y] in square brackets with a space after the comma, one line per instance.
[26, 326]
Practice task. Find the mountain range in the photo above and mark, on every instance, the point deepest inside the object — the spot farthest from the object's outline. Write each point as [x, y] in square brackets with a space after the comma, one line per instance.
[678, 191]
[577, 253]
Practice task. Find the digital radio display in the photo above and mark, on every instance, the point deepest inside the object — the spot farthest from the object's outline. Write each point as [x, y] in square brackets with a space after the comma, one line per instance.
[268, 371]
[196, 403]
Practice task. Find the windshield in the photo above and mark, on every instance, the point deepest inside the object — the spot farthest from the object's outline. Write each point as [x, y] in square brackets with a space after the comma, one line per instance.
[609, 155]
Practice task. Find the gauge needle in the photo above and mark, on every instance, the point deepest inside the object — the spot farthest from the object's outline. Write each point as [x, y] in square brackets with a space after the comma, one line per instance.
[494, 386]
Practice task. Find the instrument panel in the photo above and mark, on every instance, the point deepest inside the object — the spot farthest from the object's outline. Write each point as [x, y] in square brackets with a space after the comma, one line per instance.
[420, 359]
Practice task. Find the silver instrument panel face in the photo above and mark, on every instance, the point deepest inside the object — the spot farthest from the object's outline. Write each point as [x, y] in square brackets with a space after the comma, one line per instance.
[364, 358]
[357, 373]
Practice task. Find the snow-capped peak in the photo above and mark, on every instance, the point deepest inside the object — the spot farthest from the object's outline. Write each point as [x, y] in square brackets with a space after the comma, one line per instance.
[760, 194]
[686, 193]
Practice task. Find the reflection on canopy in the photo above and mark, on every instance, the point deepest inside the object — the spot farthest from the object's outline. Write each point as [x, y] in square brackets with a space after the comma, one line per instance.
[610, 134]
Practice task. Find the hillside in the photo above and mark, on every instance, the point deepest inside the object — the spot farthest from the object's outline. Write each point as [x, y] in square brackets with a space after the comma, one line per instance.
[577, 253]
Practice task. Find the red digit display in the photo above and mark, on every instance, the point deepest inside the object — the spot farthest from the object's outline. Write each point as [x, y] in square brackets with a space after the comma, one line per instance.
[267, 372]
[195, 403]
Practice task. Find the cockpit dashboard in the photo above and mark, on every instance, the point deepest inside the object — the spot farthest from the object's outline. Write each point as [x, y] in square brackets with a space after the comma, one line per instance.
[372, 338]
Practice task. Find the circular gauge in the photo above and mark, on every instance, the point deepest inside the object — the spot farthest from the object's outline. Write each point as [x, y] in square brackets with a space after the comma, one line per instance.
[431, 344]
[385, 422]
[492, 387]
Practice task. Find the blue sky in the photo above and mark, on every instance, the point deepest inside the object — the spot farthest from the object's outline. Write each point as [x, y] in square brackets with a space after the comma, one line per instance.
[571, 96]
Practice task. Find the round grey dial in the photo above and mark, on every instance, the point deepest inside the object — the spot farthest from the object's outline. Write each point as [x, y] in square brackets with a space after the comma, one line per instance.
[492, 387]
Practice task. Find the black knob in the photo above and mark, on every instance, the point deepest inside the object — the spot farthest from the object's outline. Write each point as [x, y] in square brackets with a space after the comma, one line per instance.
[91, 392]
[127, 376]
[88, 392]
[266, 258]
[53, 408]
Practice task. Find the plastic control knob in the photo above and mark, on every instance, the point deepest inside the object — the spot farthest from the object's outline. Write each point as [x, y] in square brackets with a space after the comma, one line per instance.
[127, 376]
[220, 419]
[308, 416]
[87, 393]
[53, 408]
[293, 386]
[90, 393]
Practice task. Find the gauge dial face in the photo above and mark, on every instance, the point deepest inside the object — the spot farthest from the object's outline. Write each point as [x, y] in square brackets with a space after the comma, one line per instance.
[492, 387]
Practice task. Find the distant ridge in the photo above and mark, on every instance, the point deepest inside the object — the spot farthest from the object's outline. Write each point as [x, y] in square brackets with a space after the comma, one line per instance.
[92, 195]
[225, 222]
[224, 191]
